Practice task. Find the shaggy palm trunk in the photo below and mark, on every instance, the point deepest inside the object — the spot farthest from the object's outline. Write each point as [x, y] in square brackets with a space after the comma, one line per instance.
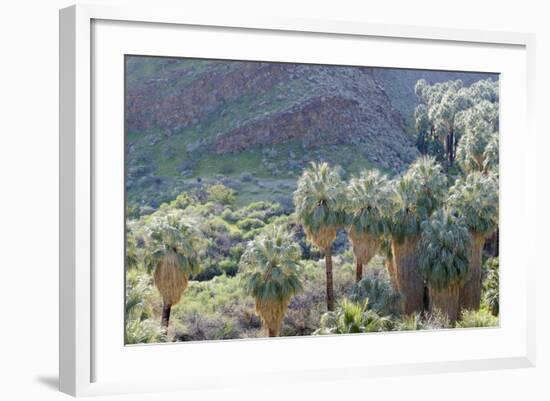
[330, 286]
[390, 267]
[358, 271]
[272, 314]
[408, 278]
[446, 300]
[364, 248]
[166, 308]
[470, 293]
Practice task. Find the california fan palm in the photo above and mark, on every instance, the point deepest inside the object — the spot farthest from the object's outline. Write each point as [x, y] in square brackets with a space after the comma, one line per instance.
[318, 202]
[475, 197]
[414, 197]
[270, 273]
[443, 260]
[174, 256]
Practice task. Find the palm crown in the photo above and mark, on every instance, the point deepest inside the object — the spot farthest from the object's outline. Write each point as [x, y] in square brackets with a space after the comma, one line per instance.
[366, 200]
[444, 249]
[475, 197]
[415, 196]
[318, 200]
[271, 266]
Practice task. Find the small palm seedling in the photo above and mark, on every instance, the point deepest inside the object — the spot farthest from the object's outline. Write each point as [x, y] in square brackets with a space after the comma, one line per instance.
[414, 197]
[366, 195]
[475, 197]
[353, 318]
[443, 258]
[270, 267]
[319, 209]
[380, 295]
[174, 256]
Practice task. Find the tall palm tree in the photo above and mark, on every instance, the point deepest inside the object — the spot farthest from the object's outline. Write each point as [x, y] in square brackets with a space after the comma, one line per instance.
[270, 265]
[475, 197]
[173, 254]
[318, 201]
[365, 199]
[443, 260]
[414, 197]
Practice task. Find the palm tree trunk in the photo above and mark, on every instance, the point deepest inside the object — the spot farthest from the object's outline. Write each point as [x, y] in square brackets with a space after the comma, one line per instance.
[390, 267]
[166, 308]
[358, 271]
[409, 281]
[330, 286]
[470, 293]
[446, 300]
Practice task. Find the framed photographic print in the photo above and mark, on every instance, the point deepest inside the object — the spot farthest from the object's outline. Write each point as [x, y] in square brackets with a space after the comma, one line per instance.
[347, 196]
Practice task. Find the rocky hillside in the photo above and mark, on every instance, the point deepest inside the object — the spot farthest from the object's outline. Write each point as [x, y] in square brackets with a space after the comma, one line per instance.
[189, 120]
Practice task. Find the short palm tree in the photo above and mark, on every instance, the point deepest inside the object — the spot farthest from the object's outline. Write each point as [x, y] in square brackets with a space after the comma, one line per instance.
[475, 197]
[270, 267]
[365, 198]
[443, 251]
[318, 201]
[351, 318]
[491, 286]
[174, 257]
[414, 197]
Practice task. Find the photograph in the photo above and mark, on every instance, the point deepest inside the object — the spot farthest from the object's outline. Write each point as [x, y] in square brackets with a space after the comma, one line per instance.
[270, 199]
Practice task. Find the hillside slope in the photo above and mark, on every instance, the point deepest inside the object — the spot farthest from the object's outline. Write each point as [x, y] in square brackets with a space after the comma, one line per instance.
[191, 120]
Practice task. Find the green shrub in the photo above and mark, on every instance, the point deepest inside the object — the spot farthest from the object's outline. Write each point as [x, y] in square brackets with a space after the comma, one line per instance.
[379, 294]
[230, 267]
[250, 223]
[480, 318]
[219, 193]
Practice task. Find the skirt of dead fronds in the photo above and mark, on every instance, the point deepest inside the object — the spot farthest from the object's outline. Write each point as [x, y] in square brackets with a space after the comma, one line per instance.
[446, 300]
[470, 294]
[272, 314]
[170, 280]
[409, 280]
[323, 237]
[364, 246]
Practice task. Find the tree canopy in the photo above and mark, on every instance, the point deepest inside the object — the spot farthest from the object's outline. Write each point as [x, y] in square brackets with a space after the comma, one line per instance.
[475, 197]
[270, 266]
[443, 250]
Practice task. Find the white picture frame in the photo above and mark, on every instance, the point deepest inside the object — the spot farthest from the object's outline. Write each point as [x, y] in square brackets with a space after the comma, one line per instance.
[91, 363]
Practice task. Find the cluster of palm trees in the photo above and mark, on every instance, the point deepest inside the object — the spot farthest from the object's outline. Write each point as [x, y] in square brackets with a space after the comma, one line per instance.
[436, 232]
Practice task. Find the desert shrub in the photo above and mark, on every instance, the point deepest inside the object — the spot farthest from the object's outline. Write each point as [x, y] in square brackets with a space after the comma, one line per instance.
[379, 294]
[435, 320]
[250, 223]
[491, 285]
[229, 216]
[353, 318]
[214, 310]
[229, 267]
[480, 318]
[183, 200]
[139, 332]
[219, 193]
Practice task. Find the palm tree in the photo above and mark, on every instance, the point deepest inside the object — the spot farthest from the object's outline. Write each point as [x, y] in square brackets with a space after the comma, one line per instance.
[318, 202]
[270, 264]
[475, 197]
[443, 260]
[414, 197]
[174, 256]
[366, 195]
[354, 318]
